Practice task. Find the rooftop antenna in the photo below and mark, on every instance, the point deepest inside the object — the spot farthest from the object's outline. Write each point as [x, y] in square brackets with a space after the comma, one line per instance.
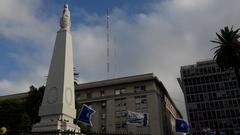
[108, 45]
[115, 60]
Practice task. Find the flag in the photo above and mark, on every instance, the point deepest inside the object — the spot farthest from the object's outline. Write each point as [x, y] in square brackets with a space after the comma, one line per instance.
[182, 126]
[85, 115]
[138, 119]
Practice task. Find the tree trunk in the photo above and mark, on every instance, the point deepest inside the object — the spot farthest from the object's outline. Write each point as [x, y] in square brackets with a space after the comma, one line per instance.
[237, 76]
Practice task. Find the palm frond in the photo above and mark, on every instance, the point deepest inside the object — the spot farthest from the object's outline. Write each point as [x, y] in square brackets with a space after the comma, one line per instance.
[227, 53]
[215, 41]
[214, 48]
[221, 38]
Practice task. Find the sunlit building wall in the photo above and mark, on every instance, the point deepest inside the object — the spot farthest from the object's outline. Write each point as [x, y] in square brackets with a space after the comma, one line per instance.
[142, 93]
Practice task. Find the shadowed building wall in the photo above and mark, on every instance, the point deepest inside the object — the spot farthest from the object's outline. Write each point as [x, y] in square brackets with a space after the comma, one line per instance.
[212, 98]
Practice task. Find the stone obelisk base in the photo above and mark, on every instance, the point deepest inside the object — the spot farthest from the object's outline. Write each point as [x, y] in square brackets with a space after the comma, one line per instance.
[55, 125]
[57, 122]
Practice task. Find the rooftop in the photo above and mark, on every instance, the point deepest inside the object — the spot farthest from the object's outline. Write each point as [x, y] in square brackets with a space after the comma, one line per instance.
[116, 81]
[199, 64]
[15, 96]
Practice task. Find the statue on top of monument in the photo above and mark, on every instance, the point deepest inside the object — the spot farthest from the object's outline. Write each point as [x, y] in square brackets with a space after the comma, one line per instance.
[65, 22]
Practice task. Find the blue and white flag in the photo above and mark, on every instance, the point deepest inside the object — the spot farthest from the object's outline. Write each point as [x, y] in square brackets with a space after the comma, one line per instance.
[137, 119]
[85, 115]
[182, 126]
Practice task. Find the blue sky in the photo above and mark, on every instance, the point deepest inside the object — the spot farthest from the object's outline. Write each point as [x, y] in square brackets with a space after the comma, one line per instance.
[147, 36]
[132, 7]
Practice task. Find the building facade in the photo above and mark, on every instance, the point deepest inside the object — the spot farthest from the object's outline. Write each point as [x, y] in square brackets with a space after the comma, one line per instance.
[142, 93]
[212, 98]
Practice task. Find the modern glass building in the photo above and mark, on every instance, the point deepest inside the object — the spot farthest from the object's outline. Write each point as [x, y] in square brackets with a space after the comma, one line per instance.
[212, 98]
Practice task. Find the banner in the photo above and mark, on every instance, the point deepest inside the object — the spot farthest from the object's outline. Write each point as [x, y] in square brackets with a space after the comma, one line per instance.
[137, 119]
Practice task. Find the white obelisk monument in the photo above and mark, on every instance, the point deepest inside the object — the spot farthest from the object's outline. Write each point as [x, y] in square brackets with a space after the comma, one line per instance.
[57, 110]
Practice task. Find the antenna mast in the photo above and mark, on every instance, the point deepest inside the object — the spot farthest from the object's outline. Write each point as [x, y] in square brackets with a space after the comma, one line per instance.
[108, 45]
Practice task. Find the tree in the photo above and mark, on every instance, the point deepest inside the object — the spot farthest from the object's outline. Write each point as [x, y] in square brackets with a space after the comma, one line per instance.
[13, 116]
[19, 114]
[75, 74]
[227, 53]
[33, 103]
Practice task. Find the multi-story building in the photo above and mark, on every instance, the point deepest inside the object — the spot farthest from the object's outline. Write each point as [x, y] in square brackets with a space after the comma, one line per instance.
[142, 93]
[20, 96]
[212, 97]
[113, 98]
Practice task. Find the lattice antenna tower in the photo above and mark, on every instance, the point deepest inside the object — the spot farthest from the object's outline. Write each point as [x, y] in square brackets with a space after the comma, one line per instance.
[108, 43]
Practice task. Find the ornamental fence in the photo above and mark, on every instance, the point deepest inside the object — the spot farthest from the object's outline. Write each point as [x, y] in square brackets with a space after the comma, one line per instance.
[58, 132]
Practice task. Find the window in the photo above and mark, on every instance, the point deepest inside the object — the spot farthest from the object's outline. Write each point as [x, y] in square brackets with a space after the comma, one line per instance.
[141, 103]
[123, 90]
[124, 125]
[78, 96]
[140, 88]
[89, 95]
[120, 113]
[117, 92]
[187, 90]
[103, 128]
[103, 104]
[120, 91]
[138, 100]
[103, 116]
[124, 113]
[120, 125]
[102, 92]
[144, 101]
[188, 99]
[235, 102]
[120, 102]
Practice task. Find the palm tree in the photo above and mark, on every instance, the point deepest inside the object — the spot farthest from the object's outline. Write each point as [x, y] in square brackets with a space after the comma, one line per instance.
[227, 53]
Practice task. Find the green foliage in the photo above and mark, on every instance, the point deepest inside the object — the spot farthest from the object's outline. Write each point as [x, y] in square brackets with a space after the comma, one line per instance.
[13, 115]
[21, 115]
[227, 53]
[33, 103]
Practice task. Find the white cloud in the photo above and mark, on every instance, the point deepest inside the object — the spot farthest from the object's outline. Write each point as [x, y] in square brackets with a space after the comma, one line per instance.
[10, 87]
[32, 39]
[174, 33]
[189, 5]
[20, 19]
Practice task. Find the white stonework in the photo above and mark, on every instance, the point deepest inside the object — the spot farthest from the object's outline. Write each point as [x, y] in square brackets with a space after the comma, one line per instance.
[65, 22]
[57, 110]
